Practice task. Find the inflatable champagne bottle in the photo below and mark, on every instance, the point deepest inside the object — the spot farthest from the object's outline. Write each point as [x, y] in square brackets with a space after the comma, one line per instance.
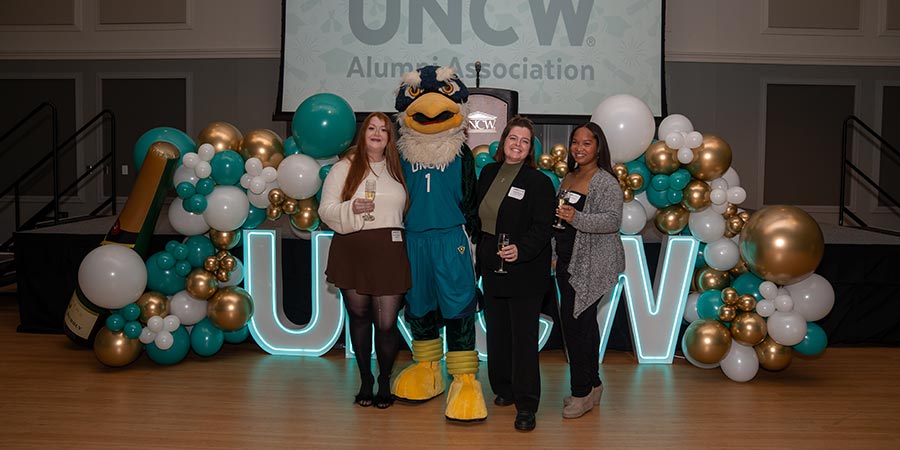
[133, 228]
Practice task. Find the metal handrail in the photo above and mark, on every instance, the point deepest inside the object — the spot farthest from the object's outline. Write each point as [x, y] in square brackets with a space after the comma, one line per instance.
[845, 164]
[54, 153]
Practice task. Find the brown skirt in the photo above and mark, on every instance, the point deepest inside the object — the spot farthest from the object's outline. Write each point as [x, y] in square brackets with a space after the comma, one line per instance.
[371, 261]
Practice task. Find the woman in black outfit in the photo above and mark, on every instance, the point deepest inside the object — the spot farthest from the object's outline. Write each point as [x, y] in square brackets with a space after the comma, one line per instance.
[516, 199]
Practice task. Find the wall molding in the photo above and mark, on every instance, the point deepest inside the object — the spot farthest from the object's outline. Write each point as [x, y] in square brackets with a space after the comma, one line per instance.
[781, 59]
[221, 53]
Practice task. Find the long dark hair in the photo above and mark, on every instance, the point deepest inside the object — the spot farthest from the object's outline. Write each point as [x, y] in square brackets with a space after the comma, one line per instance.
[517, 121]
[603, 159]
[359, 160]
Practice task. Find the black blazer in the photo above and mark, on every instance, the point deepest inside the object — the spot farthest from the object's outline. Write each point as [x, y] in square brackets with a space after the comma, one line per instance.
[529, 224]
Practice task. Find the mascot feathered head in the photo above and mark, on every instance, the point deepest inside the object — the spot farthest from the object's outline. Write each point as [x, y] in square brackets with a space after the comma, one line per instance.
[431, 114]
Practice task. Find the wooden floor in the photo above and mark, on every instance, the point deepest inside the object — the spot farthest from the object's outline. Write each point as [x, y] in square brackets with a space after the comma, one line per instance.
[55, 395]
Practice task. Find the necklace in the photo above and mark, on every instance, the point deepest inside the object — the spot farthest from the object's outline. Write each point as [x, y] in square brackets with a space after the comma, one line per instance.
[378, 167]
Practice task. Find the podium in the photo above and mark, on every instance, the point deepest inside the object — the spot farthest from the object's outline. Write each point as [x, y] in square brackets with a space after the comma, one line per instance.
[489, 110]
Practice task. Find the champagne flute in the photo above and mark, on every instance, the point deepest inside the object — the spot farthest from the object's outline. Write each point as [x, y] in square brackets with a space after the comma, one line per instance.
[562, 198]
[370, 195]
[502, 241]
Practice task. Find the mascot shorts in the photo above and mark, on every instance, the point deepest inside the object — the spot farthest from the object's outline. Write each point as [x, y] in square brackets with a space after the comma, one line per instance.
[443, 275]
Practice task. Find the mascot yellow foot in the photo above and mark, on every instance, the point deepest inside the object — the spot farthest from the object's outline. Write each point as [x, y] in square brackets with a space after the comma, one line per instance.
[465, 401]
[423, 380]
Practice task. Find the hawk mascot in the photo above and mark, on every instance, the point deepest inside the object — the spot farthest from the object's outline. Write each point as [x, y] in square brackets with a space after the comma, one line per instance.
[440, 175]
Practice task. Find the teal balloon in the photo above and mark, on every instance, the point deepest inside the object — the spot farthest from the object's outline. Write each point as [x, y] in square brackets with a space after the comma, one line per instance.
[195, 204]
[660, 182]
[115, 322]
[323, 125]
[205, 186]
[477, 173]
[178, 250]
[165, 261]
[748, 284]
[183, 268]
[814, 342]
[167, 280]
[185, 190]
[679, 179]
[198, 248]
[227, 168]
[174, 136]
[131, 312]
[492, 149]
[237, 336]
[179, 349]
[323, 171]
[206, 338]
[701, 260]
[133, 329]
[290, 147]
[553, 178]
[708, 304]
[538, 150]
[638, 166]
[659, 199]
[483, 159]
[673, 196]
[255, 217]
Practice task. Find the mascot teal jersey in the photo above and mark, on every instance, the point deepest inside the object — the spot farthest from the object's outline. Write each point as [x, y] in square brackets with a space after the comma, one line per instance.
[432, 192]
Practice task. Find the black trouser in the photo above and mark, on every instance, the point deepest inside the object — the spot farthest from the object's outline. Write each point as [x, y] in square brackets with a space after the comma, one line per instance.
[512, 344]
[581, 337]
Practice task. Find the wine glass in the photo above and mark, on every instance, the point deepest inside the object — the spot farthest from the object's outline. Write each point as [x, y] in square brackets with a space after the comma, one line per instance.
[370, 195]
[562, 198]
[502, 241]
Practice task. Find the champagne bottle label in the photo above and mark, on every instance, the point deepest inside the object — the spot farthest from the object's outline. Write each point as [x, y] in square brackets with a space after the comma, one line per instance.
[80, 320]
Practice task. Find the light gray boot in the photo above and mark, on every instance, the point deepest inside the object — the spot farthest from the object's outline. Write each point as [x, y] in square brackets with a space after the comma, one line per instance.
[595, 394]
[578, 407]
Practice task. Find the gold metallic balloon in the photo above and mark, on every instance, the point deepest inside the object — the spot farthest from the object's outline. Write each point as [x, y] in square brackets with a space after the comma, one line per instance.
[744, 215]
[749, 328]
[276, 197]
[782, 244]
[730, 296]
[672, 219]
[710, 279]
[264, 145]
[635, 181]
[730, 210]
[483, 148]
[153, 303]
[201, 284]
[210, 263]
[546, 161]
[228, 263]
[273, 212]
[230, 308]
[561, 169]
[310, 203]
[559, 152]
[627, 195]
[289, 206]
[114, 349]
[696, 196]
[661, 159]
[695, 279]
[772, 355]
[711, 159]
[734, 224]
[224, 240]
[222, 275]
[739, 269]
[746, 302]
[222, 135]
[620, 171]
[727, 313]
[306, 219]
[707, 341]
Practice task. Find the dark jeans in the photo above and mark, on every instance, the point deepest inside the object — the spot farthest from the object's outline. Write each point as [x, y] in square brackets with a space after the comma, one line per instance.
[581, 337]
[512, 343]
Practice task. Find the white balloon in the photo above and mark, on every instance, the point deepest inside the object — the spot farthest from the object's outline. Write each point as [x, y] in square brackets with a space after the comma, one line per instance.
[737, 195]
[707, 225]
[740, 363]
[693, 361]
[768, 290]
[718, 183]
[184, 222]
[237, 275]
[164, 340]
[719, 208]
[188, 309]
[112, 276]
[227, 208]
[722, 254]
[203, 169]
[685, 155]
[786, 327]
[649, 209]
[765, 308]
[190, 160]
[253, 166]
[694, 139]
[690, 309]
[675, 123]
[269, 174]
[298, 176]
[718, 197]
[184, 174]
[634, 218]
[328, 160]
[245, 180]
[146, 336]
[171, 323]
[206, 151]
[675, 140]
[783, 303]
[813, 297]
[156, 324]
[731, 176]
[627, 123]
[257, 185]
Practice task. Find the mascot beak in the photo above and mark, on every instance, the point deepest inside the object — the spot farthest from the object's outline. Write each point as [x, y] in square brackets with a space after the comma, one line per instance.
[433, 113]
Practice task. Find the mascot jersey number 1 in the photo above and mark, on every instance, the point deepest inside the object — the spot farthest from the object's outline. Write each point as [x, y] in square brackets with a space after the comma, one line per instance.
[440, 176]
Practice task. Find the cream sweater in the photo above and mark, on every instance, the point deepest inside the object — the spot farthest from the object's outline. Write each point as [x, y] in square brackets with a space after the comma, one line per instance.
[390, 199]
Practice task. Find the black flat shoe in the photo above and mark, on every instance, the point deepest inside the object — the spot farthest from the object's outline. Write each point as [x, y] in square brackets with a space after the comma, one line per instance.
[525, 421]
[384, 401]
[503, 401]
[363, 399]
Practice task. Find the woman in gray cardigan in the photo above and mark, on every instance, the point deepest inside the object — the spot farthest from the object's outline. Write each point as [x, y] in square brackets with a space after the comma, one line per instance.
[589, 259]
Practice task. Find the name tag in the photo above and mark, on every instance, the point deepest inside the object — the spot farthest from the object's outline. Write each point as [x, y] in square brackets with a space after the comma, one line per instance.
[516, 193]
[396, 236]
[574, 197]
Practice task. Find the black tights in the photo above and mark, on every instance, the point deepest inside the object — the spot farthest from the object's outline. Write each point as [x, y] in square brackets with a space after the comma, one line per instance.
[381, 311]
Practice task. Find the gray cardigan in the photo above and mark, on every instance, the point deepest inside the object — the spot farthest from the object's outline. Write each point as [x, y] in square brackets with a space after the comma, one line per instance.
[597, 257]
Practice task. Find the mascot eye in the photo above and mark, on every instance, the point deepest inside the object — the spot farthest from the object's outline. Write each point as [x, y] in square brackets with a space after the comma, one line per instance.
[448, 89]
[414, 91]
